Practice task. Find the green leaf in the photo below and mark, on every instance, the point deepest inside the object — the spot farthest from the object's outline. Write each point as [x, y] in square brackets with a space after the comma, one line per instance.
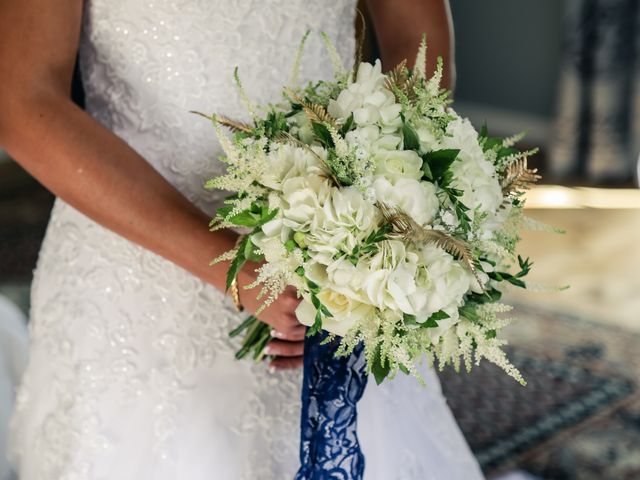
[237, 263]
[251, 254]
[409, 320]
[426, 170]
[411, 140]
[491, 334]
[379, 368]
[245, 219]
[322, 132]
[484, 131]
[317, 325]
[432, 321]
[439, 162]
[347, 125]
[490, 143]
[266, 215]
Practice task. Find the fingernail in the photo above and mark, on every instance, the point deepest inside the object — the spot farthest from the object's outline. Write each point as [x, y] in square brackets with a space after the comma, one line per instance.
[276, 334]
[267, 350]
[272, 369]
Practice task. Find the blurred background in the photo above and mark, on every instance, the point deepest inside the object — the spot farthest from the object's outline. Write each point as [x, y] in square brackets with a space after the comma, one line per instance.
[567, 72]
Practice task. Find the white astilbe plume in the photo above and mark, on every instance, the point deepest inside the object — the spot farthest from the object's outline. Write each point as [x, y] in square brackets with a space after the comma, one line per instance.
[534, 225]
[275, 276]
[512, 140]
[295, 69]
[433, 84]
[246, 165]
[225, 257]
[336, 61]
[244, 98]
[420, 66]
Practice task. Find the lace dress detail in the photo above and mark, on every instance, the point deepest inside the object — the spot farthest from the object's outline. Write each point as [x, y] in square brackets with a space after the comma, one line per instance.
[131, 372]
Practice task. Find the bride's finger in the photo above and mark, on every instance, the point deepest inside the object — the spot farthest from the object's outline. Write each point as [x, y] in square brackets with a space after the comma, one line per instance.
[285, 363]
[281, 348]
[295, 333]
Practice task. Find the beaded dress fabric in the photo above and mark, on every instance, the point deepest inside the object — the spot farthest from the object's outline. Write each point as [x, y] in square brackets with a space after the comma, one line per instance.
[131, 372]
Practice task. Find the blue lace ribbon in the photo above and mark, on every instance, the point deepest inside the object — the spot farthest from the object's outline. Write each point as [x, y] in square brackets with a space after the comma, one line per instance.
[329, 448]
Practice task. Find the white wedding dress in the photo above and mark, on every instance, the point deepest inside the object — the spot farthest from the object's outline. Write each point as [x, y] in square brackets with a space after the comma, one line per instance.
[131, 374]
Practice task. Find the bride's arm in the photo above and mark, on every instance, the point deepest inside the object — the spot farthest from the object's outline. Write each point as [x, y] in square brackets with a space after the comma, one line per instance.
[88, 166]
[399, 26]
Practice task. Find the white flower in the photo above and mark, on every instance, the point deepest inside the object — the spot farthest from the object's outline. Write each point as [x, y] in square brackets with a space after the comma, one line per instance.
[417, 199]
[346, 312]
[390, 279]
[287, 161]
[368, 100]
[305, 197]
[396, 164]
[341, 293]
[370, 139]
[426, 135]
[345, 219]
[442, 283]
[472, 173]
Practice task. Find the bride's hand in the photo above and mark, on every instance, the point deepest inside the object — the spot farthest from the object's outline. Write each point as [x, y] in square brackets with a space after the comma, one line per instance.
[287, 345]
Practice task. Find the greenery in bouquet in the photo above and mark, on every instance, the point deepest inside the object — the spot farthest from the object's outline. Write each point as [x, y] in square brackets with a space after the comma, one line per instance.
[395, 220]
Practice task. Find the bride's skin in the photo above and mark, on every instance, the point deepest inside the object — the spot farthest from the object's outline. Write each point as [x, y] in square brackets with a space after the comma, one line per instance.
[97, 173]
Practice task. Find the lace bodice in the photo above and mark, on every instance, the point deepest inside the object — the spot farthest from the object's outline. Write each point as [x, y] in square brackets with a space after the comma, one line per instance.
[147, 63]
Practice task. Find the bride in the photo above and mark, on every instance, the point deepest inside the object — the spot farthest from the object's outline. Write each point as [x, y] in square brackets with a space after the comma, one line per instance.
[131, 374]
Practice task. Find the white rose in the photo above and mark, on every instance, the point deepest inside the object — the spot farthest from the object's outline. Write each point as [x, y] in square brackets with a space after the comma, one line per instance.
[396, 164]
[346, 312]
[417, 199]
[305, 197]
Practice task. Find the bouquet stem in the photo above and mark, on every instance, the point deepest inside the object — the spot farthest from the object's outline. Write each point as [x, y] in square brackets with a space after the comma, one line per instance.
[257, 335]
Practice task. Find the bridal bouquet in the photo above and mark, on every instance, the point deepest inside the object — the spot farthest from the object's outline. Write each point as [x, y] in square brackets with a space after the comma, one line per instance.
[395, 220]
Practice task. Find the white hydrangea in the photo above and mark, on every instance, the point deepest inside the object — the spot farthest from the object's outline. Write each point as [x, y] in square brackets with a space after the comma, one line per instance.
[370, 102]
[288, 161]
[417, 199]
[472, 173]
[340, 224]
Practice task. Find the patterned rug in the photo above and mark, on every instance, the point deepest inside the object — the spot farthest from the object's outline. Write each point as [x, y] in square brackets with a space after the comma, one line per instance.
[579, 416]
